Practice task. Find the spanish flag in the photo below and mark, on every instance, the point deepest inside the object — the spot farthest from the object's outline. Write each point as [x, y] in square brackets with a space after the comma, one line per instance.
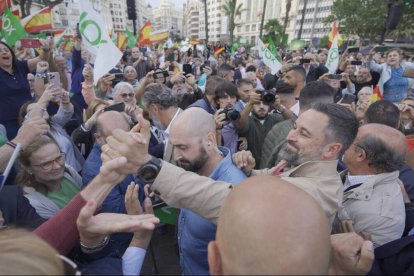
[121, 40]
[145, 34]
[195, 41]
[332, 35]
[39, 21]
[376, 95]
[159, 37]
[218, 51]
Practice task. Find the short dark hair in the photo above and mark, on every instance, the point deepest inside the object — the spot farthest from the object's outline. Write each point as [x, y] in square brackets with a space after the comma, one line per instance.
[158, 94]
[298, 70]
[251, 68]
[383, 112]
[224, 68]
[284, 88]
[315, 92]
[244, 82]
[342, 125]
[224, 88]
[379, 155]
[269, 81]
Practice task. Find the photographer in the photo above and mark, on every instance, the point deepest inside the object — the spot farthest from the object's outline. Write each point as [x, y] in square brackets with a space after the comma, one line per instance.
[256, 126]
[226, 96]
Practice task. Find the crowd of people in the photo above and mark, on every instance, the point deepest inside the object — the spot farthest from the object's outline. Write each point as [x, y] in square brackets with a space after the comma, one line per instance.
[298, 172]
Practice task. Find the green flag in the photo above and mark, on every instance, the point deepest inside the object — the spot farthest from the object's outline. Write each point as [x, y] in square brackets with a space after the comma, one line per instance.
[11, 30]
[274, 50]
[132, 39]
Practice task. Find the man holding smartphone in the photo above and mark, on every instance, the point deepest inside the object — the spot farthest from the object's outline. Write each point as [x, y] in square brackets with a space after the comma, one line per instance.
[314, 70]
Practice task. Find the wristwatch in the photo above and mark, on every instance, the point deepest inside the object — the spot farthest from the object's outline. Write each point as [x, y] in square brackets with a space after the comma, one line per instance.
[149, 171]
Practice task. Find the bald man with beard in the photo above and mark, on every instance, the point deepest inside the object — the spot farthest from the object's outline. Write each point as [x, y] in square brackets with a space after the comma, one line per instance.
[193, 137]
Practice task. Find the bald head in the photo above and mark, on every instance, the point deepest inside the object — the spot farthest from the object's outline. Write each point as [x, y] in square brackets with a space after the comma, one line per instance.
[109, 121]
[269, 226]
[377, 149]
[194, 121]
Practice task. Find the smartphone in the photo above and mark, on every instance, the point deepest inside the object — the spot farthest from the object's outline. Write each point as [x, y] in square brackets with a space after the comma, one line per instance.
[348, 99]
[304, 60]
[120, 107]
[334, 77]
[30, 43]
[356, 62]
[161, 74]
[188, 69]
[207, 63]
[118, 77]
[54, 79]
[353, 50]
[171, 57]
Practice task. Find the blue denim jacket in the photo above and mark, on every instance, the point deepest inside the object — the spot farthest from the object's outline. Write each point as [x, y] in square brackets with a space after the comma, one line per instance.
[195, 232]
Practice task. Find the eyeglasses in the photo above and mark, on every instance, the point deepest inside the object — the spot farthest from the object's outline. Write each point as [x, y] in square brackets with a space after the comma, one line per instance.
[131, 95]
[48, 165]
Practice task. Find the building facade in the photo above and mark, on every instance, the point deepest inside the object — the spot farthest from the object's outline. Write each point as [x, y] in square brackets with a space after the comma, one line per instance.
[168, 16]
[191, 20]
[315, 13]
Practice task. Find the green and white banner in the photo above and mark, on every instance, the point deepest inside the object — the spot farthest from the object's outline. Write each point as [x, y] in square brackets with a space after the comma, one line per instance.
[11, 30]
[268, 58]
[333, 57]
[96, 38]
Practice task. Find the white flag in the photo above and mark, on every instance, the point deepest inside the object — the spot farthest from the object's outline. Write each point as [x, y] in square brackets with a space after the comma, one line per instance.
[333, 56]
[268, 58]
[96, 38]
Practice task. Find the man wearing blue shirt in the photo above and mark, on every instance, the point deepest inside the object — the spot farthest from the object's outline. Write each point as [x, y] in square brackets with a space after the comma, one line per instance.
[195, 149]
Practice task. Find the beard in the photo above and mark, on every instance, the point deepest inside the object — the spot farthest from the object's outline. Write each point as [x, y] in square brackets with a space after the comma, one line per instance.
[293, 158]
[196, 164]
[261, 114]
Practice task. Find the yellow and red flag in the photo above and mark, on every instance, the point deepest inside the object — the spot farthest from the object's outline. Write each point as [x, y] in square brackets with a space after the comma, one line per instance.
[195, 41]
[218, 51]
[376, 95]
[334, 32]
[39, 21]
[159, 37]
[121, 40]
[145, 34]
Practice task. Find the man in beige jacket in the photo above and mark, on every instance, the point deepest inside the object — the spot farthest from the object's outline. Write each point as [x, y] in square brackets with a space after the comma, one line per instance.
[373, 200]
[319, 136]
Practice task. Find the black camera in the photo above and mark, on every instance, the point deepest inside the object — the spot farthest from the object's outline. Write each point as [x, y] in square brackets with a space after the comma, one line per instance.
[267, 97]
[231, 113]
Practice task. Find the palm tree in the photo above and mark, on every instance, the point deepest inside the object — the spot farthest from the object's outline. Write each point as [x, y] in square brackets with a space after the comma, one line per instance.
[205, 20]
[273, 28]
[231, 9]
[286, 19]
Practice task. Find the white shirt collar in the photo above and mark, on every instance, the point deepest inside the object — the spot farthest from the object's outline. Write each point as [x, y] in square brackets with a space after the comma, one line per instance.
[352, 180]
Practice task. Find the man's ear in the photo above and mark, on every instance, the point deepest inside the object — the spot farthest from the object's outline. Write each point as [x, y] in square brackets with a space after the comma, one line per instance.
[214, 259]
[211, 140]
[98, 138]
[332, 150]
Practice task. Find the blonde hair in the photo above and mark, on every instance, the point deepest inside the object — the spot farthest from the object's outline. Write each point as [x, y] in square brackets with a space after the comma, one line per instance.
[24, 253]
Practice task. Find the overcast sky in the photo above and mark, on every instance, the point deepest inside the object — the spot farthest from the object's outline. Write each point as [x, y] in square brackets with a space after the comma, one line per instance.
[155, 3]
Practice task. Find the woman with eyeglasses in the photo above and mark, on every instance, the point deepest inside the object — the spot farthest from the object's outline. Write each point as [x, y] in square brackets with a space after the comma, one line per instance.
[48, 183]
[56, 122]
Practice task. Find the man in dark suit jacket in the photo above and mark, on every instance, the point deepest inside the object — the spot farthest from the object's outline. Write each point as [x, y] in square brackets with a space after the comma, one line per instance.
[313, 69]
